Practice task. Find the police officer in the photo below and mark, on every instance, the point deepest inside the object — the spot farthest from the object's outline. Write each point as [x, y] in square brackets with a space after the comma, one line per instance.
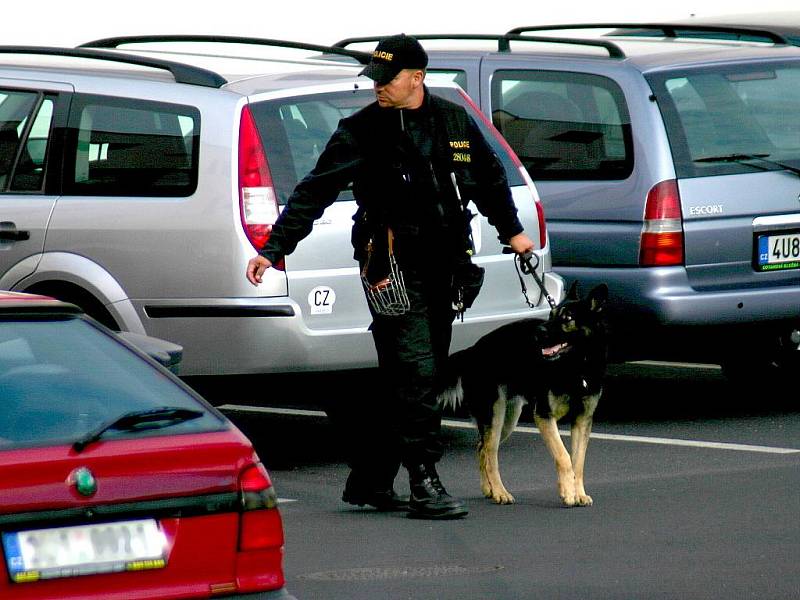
[412, 158]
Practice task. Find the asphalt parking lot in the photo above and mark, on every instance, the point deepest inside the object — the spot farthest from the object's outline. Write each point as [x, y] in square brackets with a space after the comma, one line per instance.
[695, 488]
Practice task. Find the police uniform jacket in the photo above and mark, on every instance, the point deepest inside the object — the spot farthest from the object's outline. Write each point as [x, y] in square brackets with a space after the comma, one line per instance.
[399, 163]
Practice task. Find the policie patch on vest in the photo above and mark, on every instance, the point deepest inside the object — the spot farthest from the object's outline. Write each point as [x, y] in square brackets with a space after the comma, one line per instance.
[460, 145]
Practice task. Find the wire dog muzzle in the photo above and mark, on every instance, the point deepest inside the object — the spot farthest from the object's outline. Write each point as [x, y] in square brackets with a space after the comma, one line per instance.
[388, 296]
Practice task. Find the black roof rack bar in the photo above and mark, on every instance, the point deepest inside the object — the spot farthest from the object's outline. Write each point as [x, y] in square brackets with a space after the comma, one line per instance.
[115, 42]
[182, 73]
[503, 45]
[668, 29]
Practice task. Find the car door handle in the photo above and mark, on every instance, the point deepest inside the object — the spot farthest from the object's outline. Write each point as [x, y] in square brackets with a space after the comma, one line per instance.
[9, 231]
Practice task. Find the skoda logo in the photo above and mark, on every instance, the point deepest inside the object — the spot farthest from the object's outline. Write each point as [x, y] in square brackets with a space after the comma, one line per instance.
[84, 481]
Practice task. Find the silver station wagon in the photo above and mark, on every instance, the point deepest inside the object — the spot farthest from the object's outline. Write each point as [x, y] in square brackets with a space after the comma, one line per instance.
[669, 168]
[137, 184]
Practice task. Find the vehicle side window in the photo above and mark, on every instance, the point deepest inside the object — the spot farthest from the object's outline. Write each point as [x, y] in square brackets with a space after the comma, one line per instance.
[118, 147]
[455, 75]
[29, 172]
[564, 125]
[24, 160]
[295, 131]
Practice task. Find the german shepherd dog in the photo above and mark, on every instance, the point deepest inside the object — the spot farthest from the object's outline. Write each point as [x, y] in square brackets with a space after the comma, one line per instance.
[557, 365]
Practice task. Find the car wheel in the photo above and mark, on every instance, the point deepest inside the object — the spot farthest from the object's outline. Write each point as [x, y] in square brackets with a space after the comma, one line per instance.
[774, 366]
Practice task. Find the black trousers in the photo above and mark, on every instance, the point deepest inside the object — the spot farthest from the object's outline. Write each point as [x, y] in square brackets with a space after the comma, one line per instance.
[405, 418]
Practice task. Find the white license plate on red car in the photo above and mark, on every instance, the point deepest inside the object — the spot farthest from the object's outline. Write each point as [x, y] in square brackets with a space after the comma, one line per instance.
[777, 252]
[84, 550]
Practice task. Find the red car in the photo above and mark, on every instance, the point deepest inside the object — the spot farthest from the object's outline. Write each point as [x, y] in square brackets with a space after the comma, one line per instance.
[116, 480]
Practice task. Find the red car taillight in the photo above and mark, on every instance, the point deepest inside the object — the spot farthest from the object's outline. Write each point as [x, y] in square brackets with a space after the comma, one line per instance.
[257, 201]
[537, 201]
[517, 163]
[662, 232]
[259, 561]
[261, 525]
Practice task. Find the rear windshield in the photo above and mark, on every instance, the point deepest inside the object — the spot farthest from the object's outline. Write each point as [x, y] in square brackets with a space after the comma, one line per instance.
[731, 119]
[296, 130]
[60, 379]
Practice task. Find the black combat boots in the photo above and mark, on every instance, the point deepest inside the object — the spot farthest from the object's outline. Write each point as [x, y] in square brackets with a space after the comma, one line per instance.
[360, 491]
[429, 499]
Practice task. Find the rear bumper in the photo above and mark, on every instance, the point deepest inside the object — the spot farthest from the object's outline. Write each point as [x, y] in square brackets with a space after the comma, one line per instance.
[270, 335]
[665, 297]
[249, 345]
[656, 313]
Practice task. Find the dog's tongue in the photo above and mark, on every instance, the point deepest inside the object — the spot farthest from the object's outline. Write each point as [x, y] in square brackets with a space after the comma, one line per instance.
[553, 350]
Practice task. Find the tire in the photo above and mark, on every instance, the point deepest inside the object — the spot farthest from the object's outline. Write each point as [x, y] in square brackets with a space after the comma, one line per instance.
[773, 368]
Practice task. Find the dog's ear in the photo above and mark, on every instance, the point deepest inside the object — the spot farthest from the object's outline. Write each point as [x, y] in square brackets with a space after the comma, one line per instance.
[572, 294]
[598, 297]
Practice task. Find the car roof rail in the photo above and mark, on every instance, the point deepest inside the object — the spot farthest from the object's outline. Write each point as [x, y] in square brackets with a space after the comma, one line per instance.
[115, 42]
[670, 30]
[181, 72]
[503, 41]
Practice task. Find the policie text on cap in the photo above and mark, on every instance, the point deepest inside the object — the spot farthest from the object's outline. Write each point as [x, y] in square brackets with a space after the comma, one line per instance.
[392, 55]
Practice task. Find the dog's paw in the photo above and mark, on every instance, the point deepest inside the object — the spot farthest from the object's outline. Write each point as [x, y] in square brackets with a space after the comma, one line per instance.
[567, 491]
[503, 497]
[569, 500]
[498, 495]
[576, 499]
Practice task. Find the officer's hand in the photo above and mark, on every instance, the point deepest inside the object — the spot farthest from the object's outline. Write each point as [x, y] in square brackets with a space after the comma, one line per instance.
[256, 267]
[521, 243]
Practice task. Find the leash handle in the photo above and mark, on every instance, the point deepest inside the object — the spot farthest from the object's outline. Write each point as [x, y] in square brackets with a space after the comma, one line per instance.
[528, 268]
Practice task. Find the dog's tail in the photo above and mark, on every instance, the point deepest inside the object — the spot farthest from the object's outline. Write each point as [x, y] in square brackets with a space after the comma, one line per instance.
[451, 394]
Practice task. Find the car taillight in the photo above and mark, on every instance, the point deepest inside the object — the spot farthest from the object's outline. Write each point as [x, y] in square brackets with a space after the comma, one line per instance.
[662, 232]
[261, 526]
[257, 201]
[537, 201]
[517, 163]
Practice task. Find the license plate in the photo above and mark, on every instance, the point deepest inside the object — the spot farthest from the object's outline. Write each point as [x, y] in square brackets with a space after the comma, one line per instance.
[84, 550]
[777, 252]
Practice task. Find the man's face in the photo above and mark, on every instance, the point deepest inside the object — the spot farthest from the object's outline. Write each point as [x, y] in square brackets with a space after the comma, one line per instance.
[404, 91]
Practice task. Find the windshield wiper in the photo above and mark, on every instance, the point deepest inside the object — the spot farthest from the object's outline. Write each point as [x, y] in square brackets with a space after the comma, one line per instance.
[740, 158]
[140, 420]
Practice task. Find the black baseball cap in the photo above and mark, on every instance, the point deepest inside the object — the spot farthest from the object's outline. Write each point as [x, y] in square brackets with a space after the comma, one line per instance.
[392, 55]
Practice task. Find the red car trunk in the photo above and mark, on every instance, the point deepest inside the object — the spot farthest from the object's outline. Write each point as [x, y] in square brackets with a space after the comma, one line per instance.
[189, 485]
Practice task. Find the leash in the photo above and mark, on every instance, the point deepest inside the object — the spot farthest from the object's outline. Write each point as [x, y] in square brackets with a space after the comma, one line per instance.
[522, 262]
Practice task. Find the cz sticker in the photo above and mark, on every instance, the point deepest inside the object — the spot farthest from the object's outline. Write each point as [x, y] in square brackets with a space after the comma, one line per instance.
[321, 300]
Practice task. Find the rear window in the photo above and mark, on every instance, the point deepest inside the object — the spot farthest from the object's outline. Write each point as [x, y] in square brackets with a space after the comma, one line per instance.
[121, 147]
[564, 126]
[296, 130]
[60, 379]
[731, 119]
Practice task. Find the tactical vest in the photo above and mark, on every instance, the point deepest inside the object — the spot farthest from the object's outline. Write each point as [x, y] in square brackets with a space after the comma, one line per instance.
[398, 187]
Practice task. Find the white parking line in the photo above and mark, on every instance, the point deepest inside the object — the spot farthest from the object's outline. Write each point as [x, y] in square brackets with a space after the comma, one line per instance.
[525, 429]
[651, 440]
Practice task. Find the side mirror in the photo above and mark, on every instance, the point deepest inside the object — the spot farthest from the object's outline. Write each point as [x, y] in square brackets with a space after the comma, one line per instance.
[163, 352]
